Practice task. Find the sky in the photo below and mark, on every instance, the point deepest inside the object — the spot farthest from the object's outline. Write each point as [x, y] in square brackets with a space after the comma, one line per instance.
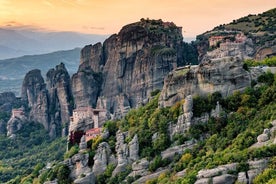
[109, 16]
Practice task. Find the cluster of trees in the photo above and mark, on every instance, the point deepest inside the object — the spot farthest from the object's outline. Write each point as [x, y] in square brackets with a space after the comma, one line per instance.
[19, 156]
[266, 62]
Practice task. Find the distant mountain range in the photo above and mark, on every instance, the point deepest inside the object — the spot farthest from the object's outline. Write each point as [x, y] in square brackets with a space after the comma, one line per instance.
[12, 71]
[19, 42]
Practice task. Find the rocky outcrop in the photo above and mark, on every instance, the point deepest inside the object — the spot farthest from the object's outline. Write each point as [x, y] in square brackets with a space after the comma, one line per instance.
[35, 94]
[184, 121]
[80, 173]
[88, 178]
[122, 153]
[60, 96]
[140, 168]
[102, 158]
[225, 75]
[134, 148]
[132, 63]
[154, 175]
[177, 150]
[268, 136]
[50, 103]
[126, 154]
[220, 174]
[15, 124]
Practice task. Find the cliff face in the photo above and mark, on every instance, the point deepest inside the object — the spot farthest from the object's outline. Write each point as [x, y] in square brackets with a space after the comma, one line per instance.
[34, 93]
[49, 102]
[133, 63]
[225, 75]
[60, 96]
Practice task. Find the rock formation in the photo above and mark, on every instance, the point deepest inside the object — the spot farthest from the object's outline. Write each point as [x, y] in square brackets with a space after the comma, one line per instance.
[122, 153]
[184, 121]
[102, 158]
[81, 173]
[131, 63]
[225, 75]
[50, 104]
[59, 95]
[220, 174]
[140, 168]
[134, 148]
[15, 124]
[35, 94]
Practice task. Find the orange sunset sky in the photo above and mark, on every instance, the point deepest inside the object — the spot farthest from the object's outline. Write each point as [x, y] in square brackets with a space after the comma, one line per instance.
[108, 16]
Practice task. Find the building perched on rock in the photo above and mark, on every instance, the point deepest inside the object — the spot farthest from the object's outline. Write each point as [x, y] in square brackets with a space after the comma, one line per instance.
[86, 121]
[17, 112]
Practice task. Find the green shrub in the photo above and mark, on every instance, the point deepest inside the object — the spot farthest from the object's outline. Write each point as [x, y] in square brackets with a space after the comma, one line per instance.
[73, 150]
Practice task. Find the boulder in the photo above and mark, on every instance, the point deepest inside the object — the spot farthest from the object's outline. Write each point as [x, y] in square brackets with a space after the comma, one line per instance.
[262, 138]
[224, 179]
[203, 181]
[242, 177]
[88, 178]
[150, 176]
[140, 168]
[223, 169]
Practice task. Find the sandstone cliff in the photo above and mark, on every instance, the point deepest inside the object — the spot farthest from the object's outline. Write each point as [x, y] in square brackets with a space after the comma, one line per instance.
[60, 96]
[225, 75]
[34, 93]
[131, 63]
[50, 103]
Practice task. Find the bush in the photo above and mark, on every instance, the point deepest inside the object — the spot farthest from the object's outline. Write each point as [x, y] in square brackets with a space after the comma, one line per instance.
[63, 174]
[265, 176]
[155, 92]
[157, 162]
[73, 150]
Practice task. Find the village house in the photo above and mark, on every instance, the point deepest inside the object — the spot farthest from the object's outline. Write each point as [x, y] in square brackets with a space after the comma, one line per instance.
[17, 113]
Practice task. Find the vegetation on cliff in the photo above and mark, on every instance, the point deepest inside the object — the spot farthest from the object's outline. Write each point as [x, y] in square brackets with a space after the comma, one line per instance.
[222, 140]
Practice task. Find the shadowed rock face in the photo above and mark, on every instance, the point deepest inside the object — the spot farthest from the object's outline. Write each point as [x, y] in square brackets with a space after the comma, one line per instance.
[49, 103]
[133, 63]
[34, 93]
[60, 95]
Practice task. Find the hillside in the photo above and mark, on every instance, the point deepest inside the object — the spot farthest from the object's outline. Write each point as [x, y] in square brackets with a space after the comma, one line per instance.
[12, 71]
[226, 138]
[256, 32]
[261, 23]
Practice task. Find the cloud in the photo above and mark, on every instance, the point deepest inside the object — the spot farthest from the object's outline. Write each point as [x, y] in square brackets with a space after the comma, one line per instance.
[19, 26]
[92, 28]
